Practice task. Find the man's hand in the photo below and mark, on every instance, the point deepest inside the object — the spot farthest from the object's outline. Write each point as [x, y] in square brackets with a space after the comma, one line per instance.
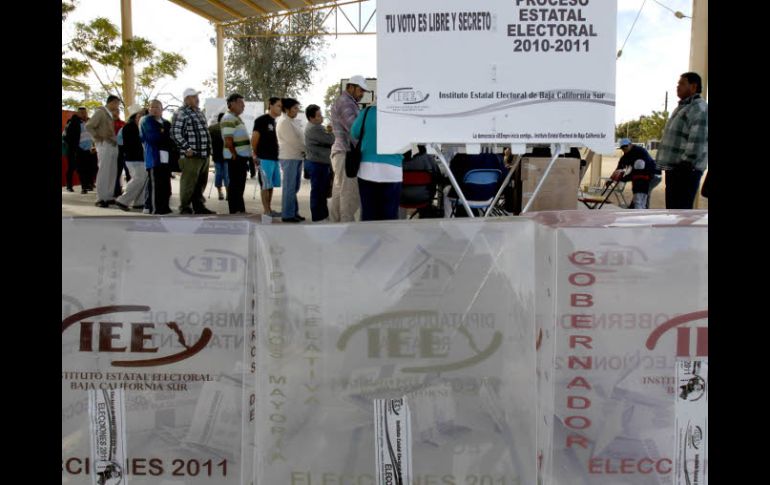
[188, 153]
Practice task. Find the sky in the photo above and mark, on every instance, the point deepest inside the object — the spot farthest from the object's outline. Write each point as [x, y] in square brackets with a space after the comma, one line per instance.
[656, 53]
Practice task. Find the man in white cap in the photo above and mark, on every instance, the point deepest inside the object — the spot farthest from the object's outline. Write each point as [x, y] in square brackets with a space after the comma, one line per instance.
[345, 198]
[190, 133]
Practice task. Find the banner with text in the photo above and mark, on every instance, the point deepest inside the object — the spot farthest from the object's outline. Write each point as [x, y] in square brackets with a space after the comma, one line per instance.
[496, 71]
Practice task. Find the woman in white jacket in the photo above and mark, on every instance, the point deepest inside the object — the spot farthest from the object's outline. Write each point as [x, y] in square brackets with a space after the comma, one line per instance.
[291, 153]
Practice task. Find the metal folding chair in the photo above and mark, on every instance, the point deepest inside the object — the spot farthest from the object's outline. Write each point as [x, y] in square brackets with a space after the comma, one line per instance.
[594, 200]
[480, 187]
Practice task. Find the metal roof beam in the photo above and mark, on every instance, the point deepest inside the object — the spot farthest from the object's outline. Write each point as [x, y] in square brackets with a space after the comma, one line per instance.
[197, 11]
[225, 8]
[281, 4]
[254, 6]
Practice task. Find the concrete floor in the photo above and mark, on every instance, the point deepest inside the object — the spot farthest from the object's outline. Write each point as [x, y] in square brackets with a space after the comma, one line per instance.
[77, 204]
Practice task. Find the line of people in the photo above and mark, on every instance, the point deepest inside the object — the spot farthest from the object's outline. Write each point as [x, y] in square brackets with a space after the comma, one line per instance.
[280, 150]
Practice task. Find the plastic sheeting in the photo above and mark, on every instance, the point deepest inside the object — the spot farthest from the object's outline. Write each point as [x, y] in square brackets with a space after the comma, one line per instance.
[528, 350]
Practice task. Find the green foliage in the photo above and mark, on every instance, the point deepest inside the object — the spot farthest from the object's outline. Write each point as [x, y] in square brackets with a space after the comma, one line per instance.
[74, 103]
[67, 8]
[644, 129]
[98, 48]
[330, 96]
[278, 65]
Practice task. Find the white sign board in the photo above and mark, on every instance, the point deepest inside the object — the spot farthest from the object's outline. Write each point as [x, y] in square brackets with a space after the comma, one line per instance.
[496, 71]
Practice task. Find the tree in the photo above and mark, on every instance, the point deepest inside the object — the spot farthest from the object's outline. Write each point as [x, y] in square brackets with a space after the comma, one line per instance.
[652, 126]
[97, 48]
[331, 95]
[644, 129]
[261, 66]
[67, 8]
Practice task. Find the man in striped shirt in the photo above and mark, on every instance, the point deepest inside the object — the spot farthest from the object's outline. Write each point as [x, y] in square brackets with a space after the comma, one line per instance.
[191, 135]
[237, 152]
[683, 150]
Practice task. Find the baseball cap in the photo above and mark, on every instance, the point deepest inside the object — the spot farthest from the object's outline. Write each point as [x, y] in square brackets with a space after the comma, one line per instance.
[360, 81]
[190, 92]
[623, 142]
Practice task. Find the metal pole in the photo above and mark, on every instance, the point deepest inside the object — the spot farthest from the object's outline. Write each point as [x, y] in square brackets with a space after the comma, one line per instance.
[128, 63]
[220, 61]
[557, 149]
[452, 179]
[505, 184]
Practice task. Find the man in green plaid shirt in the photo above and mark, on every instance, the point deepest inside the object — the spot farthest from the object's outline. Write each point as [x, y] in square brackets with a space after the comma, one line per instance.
[683, 151]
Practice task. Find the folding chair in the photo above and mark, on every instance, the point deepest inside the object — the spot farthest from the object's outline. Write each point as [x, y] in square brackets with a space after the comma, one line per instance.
[480, 187]
[597, 201]
[417, 178]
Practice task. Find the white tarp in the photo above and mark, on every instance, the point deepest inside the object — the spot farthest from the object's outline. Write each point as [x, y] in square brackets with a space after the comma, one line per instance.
[496, 71]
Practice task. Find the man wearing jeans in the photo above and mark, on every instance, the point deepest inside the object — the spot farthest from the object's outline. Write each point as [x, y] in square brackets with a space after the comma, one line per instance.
[683, 150]
[291, 152]
[264, 147]
[191, 135]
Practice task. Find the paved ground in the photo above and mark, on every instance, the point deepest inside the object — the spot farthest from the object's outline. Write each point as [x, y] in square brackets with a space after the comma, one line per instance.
[77, 204]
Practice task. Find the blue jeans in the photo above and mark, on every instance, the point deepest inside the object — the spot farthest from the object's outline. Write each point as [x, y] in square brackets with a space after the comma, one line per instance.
[292, 171]
[379, 200]
[221, 175]
[320, 177]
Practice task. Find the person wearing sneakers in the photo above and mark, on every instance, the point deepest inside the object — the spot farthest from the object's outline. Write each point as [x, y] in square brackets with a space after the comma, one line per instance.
[190, 133]
[264, 147]
[134, 155]
[291, 153]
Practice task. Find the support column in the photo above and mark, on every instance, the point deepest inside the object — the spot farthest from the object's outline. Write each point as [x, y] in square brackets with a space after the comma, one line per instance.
[699, 54]
[220, 61]
[699, 45]
[128, 64]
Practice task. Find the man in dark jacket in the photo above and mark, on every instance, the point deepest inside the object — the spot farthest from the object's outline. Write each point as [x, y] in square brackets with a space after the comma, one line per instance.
[80, 151]
[644, 176]
[155, 135]
[221, 176]
[133, 154]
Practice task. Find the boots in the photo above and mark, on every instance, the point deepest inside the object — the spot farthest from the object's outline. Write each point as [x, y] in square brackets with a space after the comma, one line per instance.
[221, 196]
